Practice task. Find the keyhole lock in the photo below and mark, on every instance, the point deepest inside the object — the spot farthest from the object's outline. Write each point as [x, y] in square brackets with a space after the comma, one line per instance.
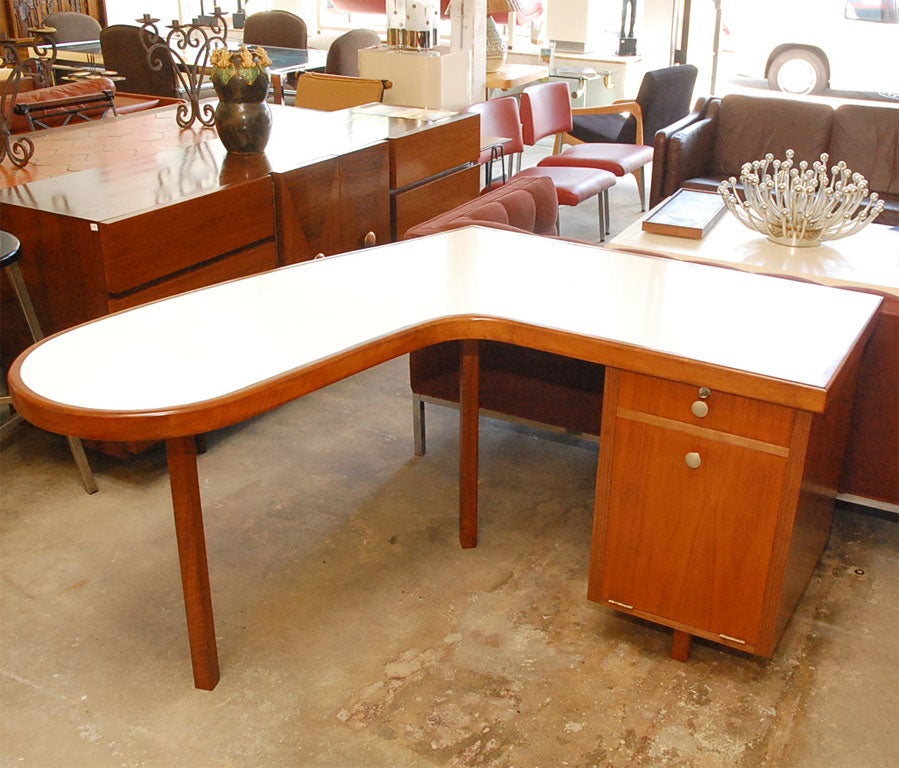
[700, 408]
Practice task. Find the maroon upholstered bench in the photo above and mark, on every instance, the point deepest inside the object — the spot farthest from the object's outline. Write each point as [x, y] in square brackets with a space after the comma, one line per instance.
[517, 383]
[60, 104]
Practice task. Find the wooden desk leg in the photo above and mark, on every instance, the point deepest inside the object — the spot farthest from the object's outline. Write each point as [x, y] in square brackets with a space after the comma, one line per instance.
[277, 89]
[469, 384]
[681, 644]
[182, 457]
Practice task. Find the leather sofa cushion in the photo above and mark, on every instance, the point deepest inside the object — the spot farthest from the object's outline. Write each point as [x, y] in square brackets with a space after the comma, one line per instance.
[750, 127]
[867, 140]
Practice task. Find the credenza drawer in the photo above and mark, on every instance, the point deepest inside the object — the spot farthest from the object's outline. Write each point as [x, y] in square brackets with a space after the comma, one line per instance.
[418, 156]
[152, 245]
[246, 262]
[705, 408]
[413, 206]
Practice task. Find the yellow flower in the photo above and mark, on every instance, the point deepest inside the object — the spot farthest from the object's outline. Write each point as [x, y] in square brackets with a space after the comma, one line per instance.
[244, 58]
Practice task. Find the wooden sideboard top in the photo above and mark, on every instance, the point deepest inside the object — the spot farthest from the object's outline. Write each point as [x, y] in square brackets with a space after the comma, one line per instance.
[108, 168]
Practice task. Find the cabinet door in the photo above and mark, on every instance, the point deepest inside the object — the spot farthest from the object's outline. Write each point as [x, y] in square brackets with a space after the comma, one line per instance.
[330, 206]
[364, 200]
[690, 545]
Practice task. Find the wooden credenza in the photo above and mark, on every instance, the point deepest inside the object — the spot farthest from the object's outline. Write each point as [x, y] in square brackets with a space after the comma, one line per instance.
[118, 212]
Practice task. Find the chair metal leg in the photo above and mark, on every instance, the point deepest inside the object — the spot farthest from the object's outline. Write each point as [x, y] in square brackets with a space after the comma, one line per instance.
[418, 425]
[605, 205]
[84, 467]
[18, 286]
[24, 299]
[602, 217]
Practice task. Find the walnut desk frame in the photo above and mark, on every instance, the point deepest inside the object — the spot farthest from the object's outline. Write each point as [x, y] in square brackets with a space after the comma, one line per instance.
[776, 390]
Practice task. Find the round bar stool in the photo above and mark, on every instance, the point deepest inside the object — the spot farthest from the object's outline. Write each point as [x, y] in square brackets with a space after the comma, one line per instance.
[10, 251]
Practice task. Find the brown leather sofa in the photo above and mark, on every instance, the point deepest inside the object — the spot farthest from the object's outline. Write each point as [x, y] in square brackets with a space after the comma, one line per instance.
[721, 134]
[524, 384]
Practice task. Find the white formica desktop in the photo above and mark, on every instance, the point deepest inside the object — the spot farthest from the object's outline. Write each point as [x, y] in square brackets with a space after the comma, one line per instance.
[865, 261]
[868, 260]
[760, 457]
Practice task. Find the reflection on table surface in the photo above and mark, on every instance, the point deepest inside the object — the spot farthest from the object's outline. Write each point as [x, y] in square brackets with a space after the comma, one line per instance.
[285, 61]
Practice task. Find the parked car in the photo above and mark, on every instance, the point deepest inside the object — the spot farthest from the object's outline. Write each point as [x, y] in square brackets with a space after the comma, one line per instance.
[806, 46]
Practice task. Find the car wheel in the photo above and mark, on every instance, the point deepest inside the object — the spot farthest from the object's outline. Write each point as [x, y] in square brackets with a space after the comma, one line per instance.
[798, 71]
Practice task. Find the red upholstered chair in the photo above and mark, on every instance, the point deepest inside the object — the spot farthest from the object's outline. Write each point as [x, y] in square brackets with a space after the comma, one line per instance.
[501, 118]
[546, 110]
[615, 136]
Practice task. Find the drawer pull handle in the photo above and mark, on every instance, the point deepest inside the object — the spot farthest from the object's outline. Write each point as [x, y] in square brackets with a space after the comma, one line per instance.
[700, 409]
[319, 256]
[693, 459]
[370, 239]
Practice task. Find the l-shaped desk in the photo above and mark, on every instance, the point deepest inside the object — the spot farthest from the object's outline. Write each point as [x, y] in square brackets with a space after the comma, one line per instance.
[725, 411]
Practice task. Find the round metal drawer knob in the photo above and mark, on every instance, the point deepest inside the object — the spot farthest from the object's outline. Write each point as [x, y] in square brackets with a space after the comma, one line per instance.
[693, 459]
[370, 239]
[700, 409]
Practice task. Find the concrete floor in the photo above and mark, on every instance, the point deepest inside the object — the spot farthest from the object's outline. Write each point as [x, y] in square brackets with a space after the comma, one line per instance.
[353, 631]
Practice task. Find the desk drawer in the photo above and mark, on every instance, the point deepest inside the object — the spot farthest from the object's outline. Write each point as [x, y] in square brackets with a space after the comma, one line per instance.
[724, 412]
[148, 247]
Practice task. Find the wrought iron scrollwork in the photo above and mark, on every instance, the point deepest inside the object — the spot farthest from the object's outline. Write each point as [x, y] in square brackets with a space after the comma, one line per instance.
[186, 48]
[32, 55]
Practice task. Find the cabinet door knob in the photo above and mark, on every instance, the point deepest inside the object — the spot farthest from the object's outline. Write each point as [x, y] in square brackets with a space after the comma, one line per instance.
[700, 409]
[370, 239]
[319, 256]
[693, 459]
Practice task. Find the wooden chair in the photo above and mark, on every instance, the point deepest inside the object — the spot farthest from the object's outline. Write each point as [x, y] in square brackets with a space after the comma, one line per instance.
[329, 93]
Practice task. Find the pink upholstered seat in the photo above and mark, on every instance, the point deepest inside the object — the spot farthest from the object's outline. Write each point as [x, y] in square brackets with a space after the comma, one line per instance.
[620, 159]
[574, 185]
[547, 108]
[501, 118]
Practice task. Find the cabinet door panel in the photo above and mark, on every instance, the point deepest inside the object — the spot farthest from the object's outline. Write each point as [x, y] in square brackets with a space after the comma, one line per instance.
[364, 199]
[691, 545]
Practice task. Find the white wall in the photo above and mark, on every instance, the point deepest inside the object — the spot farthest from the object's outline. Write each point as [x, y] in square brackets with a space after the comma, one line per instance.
[127, 11]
